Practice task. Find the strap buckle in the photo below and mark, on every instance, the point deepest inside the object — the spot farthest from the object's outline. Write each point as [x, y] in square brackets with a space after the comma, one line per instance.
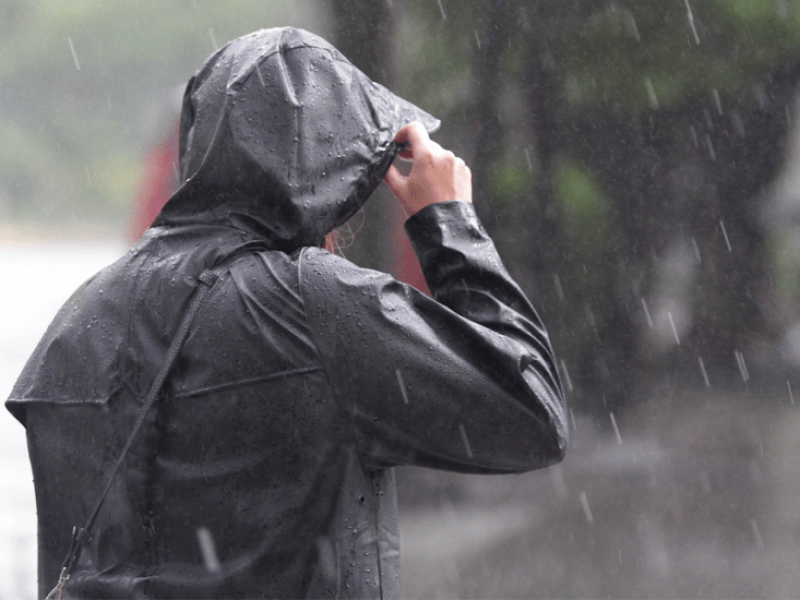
[208, 278]
[57, 591]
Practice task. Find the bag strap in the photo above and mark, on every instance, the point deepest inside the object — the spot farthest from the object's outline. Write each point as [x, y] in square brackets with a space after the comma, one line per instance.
[81, 536]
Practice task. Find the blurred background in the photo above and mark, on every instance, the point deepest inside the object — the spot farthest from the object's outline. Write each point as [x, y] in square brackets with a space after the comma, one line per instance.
[638, 165]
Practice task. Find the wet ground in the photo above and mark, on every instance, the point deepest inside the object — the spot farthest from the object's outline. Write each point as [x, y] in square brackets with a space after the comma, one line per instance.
[698, 496]
[700, 500]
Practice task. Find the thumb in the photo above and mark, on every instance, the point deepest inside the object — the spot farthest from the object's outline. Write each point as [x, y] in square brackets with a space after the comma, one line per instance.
[396, 181]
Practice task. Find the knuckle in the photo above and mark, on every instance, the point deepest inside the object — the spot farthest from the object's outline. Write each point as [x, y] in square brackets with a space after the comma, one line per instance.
[428, 159]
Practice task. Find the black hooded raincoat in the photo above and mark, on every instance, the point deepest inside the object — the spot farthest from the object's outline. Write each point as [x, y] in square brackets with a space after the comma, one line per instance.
[304, 378]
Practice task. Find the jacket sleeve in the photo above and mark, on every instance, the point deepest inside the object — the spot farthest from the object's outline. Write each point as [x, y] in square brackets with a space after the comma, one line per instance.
[464, 381]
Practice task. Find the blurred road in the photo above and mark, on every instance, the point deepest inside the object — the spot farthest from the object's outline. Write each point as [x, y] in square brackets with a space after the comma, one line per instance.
[37, 278]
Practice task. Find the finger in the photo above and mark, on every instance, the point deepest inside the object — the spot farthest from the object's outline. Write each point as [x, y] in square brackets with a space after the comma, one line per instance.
[406, 153]
[417, 136]
[435, 150]
[395, 180]
[413, 132]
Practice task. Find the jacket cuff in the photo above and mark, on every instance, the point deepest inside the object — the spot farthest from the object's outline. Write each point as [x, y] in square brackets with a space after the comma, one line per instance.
[426, 225]
[447, 236]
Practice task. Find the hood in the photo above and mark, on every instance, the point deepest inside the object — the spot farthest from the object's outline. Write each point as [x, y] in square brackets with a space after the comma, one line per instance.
[281, 135]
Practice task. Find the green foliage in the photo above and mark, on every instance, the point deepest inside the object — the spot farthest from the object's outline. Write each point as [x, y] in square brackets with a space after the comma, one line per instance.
[433, 57]
[612, 54]
[510, 179]
[582, 206]
[782, 245]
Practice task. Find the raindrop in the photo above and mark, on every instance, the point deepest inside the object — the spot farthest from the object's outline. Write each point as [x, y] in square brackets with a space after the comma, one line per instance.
[674, 329]
[441, 9]
[586, 510]
[477, 39]
[213, 38]
[696, 251]
[572, 416]
[647, 313]
[725, 233]
[651, 92]
[791, 396]
[711, 153]
[566, 375]
[690, 17]
[467, 447]
[742, 366]
[208, 550]
[632, 25]
[616, 429]
[694, 136]
[757, 533]
[738, 124]
[402, 385]
[88, 177]
[558, 480]
[74, 55]
[709, 119]
[590, 315]
[528, 158]
[260, 77]
[703, 369]
[717, 101]
[559, 289]
[761, 97]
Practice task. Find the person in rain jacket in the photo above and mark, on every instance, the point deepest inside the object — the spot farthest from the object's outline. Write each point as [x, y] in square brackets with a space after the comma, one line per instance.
[265, 467]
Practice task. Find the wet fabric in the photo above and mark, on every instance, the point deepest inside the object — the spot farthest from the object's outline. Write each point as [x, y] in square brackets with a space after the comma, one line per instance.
[266, 467]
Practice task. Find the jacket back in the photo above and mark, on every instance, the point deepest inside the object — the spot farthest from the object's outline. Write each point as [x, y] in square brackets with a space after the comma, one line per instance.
[247, 443]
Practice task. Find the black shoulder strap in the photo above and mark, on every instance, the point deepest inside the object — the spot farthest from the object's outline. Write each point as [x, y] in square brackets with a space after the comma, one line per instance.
[82, 536]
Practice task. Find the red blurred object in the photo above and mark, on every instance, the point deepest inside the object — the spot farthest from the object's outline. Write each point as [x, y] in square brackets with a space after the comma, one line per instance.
[405, 267]
[159, 182]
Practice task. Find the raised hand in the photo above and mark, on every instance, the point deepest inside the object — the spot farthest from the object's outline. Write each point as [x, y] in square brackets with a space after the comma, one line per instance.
[437, 175]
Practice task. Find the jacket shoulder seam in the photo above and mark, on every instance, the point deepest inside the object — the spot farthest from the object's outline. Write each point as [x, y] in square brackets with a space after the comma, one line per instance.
[333, 390]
